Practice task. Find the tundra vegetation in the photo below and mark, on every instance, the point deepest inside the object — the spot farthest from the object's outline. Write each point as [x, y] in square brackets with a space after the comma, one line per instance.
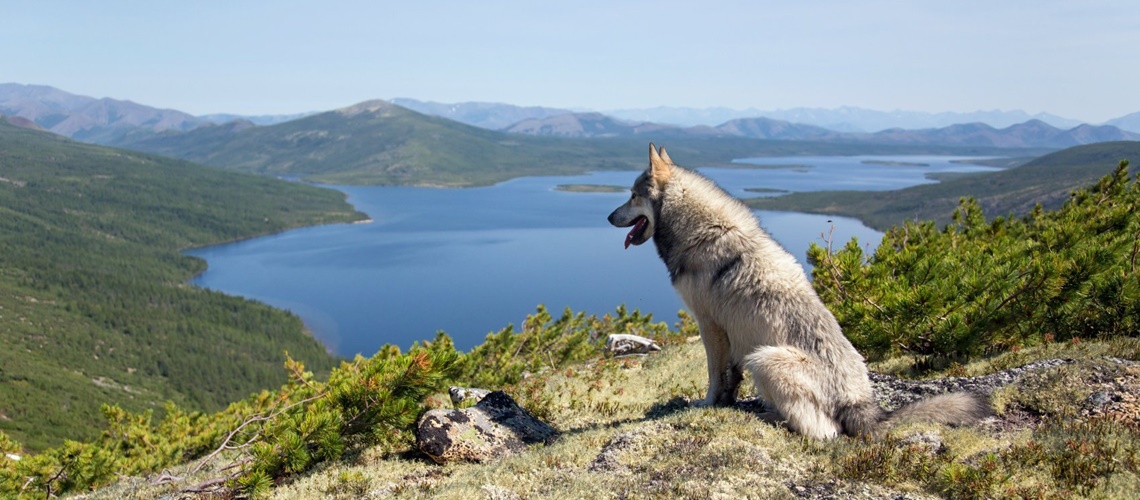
[972, 298]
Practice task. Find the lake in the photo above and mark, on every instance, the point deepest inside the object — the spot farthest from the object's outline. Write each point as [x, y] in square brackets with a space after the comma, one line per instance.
[471, 261]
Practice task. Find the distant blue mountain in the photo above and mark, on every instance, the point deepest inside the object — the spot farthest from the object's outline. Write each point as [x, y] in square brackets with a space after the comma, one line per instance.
[220, 118]
[1129, 122]
[487, 115]
[1032, 133]
[842, 119]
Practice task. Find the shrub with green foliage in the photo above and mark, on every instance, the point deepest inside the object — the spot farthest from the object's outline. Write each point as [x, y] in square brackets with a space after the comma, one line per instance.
[978, 287]
[503, 357]
[365, 402]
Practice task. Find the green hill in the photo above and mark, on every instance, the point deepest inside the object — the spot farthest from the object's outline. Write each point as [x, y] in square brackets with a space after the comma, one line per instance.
[376, 142]
[379, 143]
[1047, 180]
[94, 306]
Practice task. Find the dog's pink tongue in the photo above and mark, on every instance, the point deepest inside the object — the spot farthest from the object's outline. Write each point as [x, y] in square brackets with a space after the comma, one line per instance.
[637, 227]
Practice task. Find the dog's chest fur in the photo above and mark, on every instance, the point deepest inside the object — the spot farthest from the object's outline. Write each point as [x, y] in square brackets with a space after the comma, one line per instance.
[734, 277]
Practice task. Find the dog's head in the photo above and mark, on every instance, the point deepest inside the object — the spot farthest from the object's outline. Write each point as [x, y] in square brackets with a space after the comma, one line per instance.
[645, 195]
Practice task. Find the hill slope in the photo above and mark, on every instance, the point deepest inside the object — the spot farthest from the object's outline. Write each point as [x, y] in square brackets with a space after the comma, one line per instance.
[93, 302]
[376, 142]
[1047, 180]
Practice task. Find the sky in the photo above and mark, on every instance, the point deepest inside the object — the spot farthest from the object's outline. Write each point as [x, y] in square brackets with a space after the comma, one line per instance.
[1076, 59]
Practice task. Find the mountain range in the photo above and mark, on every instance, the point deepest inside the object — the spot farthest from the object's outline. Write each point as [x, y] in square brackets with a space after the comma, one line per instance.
[119, 122]
[1129, 122]
[841, 119]
[1030, 134]
[489, 115]
[87, 119]
[377, 142]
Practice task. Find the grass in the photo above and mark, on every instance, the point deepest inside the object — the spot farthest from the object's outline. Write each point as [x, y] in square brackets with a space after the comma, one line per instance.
[627, 433]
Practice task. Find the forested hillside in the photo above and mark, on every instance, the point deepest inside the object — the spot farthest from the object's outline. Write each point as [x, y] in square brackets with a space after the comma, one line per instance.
[1047, 180]
[94, 306]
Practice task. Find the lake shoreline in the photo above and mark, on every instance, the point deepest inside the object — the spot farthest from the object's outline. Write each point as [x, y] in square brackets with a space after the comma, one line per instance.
[428, 259]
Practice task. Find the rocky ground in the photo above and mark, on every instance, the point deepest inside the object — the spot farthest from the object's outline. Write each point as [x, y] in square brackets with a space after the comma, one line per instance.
[624, 428]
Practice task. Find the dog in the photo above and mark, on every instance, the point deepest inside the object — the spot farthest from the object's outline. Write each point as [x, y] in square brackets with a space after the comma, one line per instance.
[757, 311]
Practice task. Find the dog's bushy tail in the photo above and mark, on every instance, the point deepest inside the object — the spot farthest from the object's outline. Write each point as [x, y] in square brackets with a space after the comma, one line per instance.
[954, 409]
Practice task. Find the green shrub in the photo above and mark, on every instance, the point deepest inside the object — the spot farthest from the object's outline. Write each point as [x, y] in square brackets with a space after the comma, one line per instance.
[978, 287]
[365, 402]
[547, 343]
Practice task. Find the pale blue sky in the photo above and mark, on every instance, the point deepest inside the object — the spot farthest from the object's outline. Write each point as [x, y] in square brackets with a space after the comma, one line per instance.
[1078, 59]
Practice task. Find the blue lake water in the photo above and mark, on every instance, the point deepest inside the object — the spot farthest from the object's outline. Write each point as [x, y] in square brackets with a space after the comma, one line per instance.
[472, 261]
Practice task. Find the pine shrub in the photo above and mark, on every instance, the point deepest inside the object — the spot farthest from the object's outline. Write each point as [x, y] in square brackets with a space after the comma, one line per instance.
[978, 287]
[365, 402]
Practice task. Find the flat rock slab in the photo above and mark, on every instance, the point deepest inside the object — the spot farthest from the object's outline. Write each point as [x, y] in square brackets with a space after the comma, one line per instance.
[494, 428]
[624, 344]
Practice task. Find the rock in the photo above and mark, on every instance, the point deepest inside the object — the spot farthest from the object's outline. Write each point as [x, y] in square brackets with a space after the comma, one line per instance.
[931, 442]
[461, 394]
[624, 344]
[1096, 402]
[893, 392]
[494, 428]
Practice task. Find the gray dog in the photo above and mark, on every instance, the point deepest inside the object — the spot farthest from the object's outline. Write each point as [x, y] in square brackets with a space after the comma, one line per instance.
[757, 310]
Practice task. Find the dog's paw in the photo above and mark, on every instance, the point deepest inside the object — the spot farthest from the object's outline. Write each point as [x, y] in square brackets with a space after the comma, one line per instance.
[703, 403]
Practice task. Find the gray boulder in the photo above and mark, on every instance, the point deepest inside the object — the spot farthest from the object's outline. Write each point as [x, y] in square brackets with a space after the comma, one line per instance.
[494, 428]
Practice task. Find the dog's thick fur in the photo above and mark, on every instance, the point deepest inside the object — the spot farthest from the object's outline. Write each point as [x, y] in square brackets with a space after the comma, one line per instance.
[757, 310]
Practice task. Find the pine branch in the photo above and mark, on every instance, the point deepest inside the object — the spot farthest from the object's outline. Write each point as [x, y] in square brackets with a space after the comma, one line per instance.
[258, 418]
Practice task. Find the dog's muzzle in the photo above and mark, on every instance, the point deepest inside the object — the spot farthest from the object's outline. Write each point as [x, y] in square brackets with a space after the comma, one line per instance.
[636, 236]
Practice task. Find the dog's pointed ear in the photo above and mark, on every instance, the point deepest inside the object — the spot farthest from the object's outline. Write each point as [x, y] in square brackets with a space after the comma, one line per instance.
[659, 165]
[665, 157]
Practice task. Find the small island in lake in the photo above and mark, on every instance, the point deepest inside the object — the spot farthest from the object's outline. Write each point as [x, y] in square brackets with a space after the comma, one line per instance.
[888, 163]
[999, 162]
[758, 166]
[766, 190]
[590, 188]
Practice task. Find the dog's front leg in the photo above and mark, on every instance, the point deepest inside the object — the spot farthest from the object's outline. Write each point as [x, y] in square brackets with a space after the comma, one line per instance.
[724, 376]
